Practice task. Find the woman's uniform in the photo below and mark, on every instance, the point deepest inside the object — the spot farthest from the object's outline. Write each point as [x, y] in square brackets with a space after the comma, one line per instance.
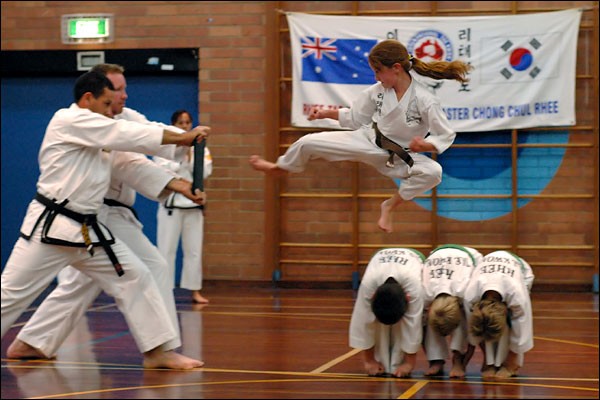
[179, 217]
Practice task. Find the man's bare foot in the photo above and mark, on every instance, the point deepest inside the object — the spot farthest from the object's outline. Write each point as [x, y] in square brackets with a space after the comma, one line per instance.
[260, 164]
[488, 372]
[20, 349]
[457, 371]
[436, 368]
[504, 373]
[158, 358]
[198, 298]
[402, 371]
[385, 220]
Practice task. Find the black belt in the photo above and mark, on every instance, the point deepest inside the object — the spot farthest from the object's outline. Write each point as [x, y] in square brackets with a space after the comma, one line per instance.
[84, 220]
[392, 148]
[115, 203]
[169, 205]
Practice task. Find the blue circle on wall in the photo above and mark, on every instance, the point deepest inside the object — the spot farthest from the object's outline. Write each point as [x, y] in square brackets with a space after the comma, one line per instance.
[481, 171]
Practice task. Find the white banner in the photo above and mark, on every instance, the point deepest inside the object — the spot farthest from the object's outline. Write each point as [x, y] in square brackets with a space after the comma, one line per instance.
[523, 76]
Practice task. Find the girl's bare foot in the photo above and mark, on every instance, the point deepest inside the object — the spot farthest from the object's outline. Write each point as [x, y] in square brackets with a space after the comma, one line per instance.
[20, 349]
[457, 371]
[403, 371]
[385, 220]
[260, 164]
[157, 358]
[459, 363]
[488, 372]
[198, 298]
[436, 368]
[504, 373]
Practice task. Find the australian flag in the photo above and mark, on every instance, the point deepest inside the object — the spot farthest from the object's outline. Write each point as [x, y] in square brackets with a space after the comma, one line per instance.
[337, 60]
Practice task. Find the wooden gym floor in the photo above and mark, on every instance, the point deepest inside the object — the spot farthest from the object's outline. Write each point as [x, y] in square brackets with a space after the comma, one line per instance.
[274, 343]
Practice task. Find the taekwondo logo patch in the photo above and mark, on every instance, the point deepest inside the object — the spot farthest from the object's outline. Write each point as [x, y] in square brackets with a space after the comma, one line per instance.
[430, 45]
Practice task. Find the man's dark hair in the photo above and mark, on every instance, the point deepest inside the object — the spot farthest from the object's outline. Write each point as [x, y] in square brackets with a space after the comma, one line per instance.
[389, 302]
[91, 81]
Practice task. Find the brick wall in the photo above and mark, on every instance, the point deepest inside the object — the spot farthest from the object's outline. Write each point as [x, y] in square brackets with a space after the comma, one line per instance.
[237, 40]
[232, 38]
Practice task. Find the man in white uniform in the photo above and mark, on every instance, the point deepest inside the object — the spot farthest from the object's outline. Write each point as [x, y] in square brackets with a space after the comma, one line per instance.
[61, 226]
[499, 312]
[131, 172]
[386, 321]
[446, 273]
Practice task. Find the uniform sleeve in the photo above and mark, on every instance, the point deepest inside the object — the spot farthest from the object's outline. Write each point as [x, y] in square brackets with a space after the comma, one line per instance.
[472, 295]
[527, 274]
[168, 164]
[94, 130]
[521, 319]
[143, 175]
[361, 112]
[168, 151]
[441, 134]
[362, 322]
[411, 323]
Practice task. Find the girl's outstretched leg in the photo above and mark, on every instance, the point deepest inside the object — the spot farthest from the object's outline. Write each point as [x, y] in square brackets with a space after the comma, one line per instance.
[260, 164]
[387, 206]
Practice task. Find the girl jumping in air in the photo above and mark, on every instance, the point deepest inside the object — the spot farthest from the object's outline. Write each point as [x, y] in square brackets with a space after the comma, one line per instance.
[394, 121]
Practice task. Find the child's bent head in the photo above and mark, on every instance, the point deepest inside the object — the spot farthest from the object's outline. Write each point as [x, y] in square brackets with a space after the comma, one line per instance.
[389, 302]
[444, 314]
[488, 320]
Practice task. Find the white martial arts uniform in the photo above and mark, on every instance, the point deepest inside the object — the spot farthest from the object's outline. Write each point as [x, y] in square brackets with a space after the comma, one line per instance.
[418, 113]
[75, 168]
[447, 270]
[512, 278]
[179, 217]
[130, 172]
[391, 341]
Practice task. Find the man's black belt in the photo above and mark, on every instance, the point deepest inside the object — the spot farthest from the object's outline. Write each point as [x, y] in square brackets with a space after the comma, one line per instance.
[115, 203]
[85, 220]
[392, 148]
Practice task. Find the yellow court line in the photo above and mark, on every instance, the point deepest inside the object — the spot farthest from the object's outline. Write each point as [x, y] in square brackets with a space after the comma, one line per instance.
[413, 390]
[128, 367]
[407, 394]
[538, 385]
[234, 382]
[566, 341]
[314, 377]
[338, 360]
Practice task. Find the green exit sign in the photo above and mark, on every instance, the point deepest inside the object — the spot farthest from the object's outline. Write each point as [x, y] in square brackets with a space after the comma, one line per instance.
[87, 28]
